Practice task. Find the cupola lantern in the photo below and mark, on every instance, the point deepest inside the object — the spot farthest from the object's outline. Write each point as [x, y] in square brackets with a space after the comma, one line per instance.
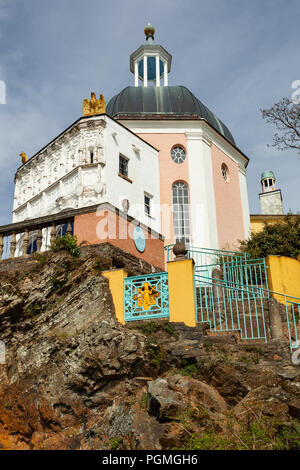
[150, 63]
[270, 197]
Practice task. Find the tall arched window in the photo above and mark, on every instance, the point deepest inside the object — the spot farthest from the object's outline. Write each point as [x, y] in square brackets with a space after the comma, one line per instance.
[181, 212]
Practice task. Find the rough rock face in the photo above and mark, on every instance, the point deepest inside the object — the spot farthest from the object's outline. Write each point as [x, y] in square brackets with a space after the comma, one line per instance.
[74, 378]
[167, 397]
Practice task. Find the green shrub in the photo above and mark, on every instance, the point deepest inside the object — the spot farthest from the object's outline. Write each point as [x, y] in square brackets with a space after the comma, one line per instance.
[66, 243]
[281, 238]
[58, 283]
[190, 370]
[41, 258]
[156, 354]
[262, 434]
[144, 400]
[115, 443]
[149, 328]
[170, 329]
[8, 406]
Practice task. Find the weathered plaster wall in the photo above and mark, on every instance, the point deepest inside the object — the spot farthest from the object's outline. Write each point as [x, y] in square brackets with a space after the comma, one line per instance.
[230, 220]
[106, 226]
[284, 276]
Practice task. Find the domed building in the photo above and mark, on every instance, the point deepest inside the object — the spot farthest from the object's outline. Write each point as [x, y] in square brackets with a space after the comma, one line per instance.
[153, 167]
[202, 171]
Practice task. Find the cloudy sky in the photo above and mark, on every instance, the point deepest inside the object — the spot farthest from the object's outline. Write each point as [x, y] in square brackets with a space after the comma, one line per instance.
[237, 56]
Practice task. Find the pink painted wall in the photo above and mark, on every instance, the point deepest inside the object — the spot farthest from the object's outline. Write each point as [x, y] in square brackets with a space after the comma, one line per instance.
[169, 173]
[228, 201]
[104, 226]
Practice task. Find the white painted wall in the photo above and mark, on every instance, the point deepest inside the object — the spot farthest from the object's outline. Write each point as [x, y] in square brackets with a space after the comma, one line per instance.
[202, 194]
[62, 176]
[245, 203]
[143, 171]
[203, 207]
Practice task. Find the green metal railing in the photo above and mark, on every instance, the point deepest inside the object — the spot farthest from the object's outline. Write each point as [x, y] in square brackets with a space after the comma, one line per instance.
[292, 312]
[207, 259]
[232, 292]
[208, 256]
[235, 267]
[250, 273]
[238, 308]
[230, 308]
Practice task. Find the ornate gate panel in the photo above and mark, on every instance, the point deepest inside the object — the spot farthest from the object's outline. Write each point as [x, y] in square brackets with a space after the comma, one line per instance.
[146, 297]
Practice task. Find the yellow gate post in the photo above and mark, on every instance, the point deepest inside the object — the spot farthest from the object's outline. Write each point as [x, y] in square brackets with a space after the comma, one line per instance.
[182, 292]
[116, 284]
[283, 276]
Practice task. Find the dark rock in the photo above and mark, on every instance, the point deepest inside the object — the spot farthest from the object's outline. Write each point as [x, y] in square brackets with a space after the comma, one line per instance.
[168, 397]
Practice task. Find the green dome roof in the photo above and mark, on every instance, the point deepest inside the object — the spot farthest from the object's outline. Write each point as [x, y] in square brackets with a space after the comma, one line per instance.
[267, 174]
[169, 101]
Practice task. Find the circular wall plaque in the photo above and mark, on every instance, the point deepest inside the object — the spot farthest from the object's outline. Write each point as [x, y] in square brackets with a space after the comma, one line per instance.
[139, 239]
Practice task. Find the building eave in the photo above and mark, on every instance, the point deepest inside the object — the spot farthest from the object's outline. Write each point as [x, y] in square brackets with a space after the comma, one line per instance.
[181, 117]
[81, 119]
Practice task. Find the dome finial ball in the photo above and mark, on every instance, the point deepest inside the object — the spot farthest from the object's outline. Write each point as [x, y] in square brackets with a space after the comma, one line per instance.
[149, 30]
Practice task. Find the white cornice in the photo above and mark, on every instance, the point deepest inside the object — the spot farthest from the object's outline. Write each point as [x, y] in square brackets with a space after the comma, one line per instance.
[200, 126]
[199, 136]
[58, 141]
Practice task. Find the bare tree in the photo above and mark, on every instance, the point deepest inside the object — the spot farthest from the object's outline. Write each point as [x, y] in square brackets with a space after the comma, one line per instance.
[286, 116]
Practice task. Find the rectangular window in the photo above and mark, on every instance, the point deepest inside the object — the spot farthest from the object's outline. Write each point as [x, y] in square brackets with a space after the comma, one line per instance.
[123, 166]
[147, 202]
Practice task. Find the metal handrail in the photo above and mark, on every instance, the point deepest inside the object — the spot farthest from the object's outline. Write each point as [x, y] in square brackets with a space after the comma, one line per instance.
[287, 301]
[195, 248]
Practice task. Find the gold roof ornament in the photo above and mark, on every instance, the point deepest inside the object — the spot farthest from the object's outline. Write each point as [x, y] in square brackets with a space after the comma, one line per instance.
[24, 157]
[93, 106]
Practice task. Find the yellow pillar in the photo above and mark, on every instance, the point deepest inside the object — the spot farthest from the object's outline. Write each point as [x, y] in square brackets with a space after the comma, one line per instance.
[182, 292]
[116, 284]
[283, 276]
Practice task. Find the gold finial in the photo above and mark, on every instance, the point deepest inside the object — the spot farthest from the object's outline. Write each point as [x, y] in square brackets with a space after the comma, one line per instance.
[24, 157]
[94, 106]
[149, 32]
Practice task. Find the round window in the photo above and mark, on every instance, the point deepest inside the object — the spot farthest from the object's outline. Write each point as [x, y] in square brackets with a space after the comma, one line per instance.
[178, 154]
[225, 172]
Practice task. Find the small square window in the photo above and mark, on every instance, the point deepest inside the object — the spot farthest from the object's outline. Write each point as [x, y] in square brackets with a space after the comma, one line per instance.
[147, 201]
[123, 166]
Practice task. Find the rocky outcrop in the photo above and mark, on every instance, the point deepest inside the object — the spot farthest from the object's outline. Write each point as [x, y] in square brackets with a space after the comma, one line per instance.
[75, 378]
[168, 397]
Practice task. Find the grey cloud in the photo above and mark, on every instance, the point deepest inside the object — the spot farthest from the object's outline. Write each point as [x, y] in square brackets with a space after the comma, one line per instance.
[236, 56]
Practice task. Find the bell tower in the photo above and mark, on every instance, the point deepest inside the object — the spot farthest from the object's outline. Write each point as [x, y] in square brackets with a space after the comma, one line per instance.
[150, 63]
[270, 197]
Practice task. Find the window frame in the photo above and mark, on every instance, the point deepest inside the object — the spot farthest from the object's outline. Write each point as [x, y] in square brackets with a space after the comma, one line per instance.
[182, 148]
[181, 212]
[149, 197]
[225, 172]
[126, 159]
